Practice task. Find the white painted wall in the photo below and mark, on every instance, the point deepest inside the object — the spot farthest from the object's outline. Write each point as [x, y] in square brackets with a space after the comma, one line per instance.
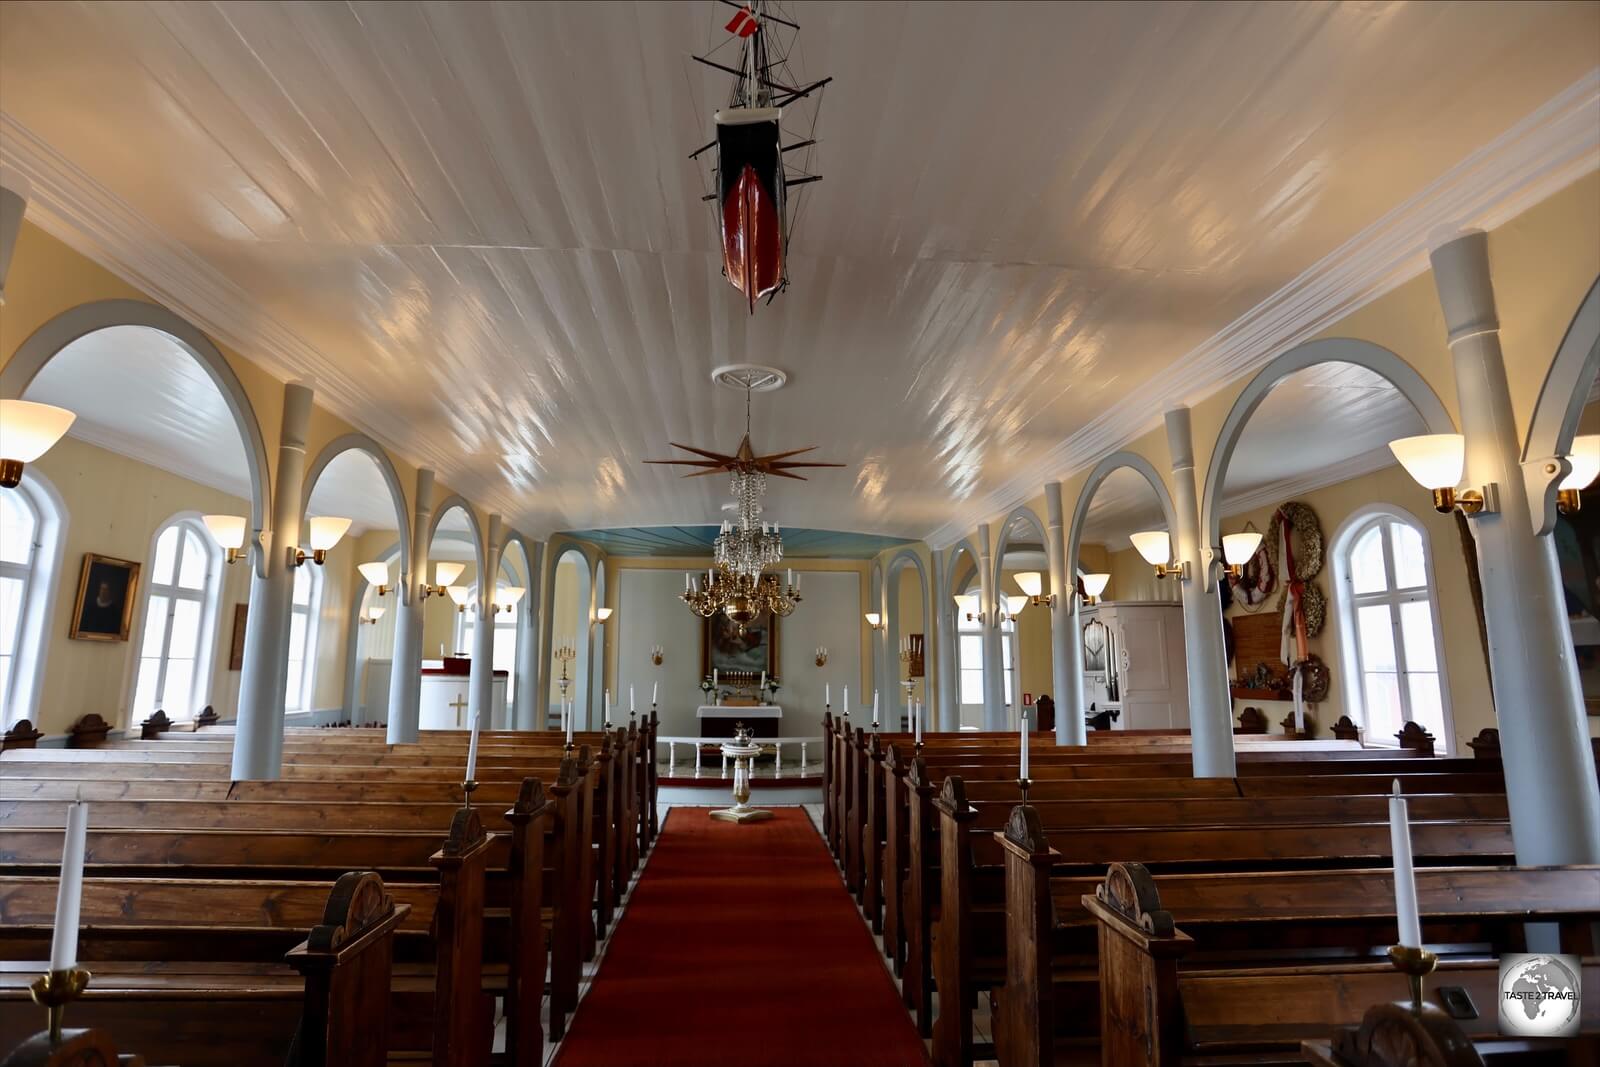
[650, 613]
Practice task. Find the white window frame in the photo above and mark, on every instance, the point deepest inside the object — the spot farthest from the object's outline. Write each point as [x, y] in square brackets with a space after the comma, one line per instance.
[503, 620]
[208, 596]
[39, 575]
[1008, 662]
[1347, 601]
[312, 610]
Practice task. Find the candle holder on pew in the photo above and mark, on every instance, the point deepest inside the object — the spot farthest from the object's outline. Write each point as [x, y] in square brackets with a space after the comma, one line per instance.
[1023, 785]
[53, 991]
[468, 787]
[1416, 964]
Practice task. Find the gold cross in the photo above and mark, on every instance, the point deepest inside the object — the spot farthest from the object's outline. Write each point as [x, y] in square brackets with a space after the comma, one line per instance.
[459, 703]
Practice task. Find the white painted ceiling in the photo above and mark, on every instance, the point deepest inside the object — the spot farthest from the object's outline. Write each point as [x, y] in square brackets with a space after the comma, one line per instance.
[475, 227]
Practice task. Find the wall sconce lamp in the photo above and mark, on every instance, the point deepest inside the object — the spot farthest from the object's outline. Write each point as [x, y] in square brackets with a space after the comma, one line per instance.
[822, 657]
[602, 614]
[1094, 585]
[228, 532]
[444, 574]
[657, 654]
[969, 606]
[506, 598]
[1012, 607]
[1585, 460]
[1032, 584]
[373, 614]
[377, 576]
[1237, 548]
[874, 620]
[27, 431]
[461, 595]
[325, 533]
[1435, 461]
[1156, 548]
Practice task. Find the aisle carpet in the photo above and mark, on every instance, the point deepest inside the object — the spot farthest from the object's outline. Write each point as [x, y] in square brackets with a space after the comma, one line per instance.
[741, 947]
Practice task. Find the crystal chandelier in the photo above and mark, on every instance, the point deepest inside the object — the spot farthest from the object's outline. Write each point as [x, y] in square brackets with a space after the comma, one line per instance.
[742, 598]
[742, 552]
[746, 549]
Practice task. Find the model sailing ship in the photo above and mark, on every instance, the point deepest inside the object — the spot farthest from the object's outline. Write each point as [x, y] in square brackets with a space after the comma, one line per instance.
[754, 170]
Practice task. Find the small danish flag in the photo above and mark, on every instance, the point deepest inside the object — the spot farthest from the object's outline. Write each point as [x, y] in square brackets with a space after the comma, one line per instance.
[744, 23]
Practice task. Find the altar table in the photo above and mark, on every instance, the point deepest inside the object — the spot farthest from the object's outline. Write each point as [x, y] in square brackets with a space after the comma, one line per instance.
[717, 720]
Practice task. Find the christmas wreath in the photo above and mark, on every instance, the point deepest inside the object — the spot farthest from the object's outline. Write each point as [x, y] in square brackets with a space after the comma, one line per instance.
[1303, 524]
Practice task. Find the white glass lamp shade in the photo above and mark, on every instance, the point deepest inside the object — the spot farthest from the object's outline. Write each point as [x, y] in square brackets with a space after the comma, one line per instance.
[602, 614]
[1435, 460]
[967, 603]
[507, 596]
[375, 573]
[1015, 604]
[226, 530]
[1029, 582]
[375, 613]
[460, 594]
[446, 573]
[1585, 460]
[28, 430]
[1237, 548]
[1095, 584]
[873, 618]
[326, 531]
[1154, 545]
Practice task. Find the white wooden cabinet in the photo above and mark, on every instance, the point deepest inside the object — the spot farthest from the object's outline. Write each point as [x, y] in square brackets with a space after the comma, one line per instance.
[1147, 656]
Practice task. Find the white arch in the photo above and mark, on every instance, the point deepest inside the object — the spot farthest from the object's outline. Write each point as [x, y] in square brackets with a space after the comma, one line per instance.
[1561, 401]
[891, 620]
[39, 596]
[525, 708]
[360, 442]
[1024, 513]
[950, 648]
[580, 667]
[1374, 358]
[1102, 471]
[49, 339]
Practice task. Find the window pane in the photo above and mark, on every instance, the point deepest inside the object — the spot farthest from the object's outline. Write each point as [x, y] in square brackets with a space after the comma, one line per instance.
[6, 717]
[10, 616]
[972, 687]
[192, 571]
[1416, 629]
[155, 627]
[1376, 634]
[166, 556]
[1427, 707]
[16, 528]
[1410, 559]
[1366, 562]
[971, 650]
[144, 693]
[297, 635]
[185, 630]
[302, 583]
[1382, 693]
[175, 697]
[505, 657]
[291, 693]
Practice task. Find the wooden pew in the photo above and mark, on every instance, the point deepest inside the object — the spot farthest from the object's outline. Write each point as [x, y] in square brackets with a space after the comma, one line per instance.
[441, 1006]
[1328, 930]
[970, 949]
[565, 879]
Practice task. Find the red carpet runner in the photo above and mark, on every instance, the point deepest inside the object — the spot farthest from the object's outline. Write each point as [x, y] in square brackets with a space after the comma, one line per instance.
[740, 946]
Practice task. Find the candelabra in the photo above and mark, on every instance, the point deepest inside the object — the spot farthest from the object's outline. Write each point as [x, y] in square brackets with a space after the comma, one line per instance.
[741, 598]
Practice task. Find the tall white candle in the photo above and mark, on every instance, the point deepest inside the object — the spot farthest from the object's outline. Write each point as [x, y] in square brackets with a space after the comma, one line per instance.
[1405, 874]
[716, 676]
[847, 700]
[653, 687]
[630, 698]
[472, 748]
[686, 583]
[570, 717]
[916, 719]
[606, 696]
[874, 705]
[827, 694]
[763, 679]
[1024, 742]
[69, 893]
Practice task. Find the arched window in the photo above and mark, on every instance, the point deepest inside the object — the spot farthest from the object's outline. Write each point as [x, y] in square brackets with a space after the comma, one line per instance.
[297, 691]
[30, 556]
[175, 642]
[1389, 626]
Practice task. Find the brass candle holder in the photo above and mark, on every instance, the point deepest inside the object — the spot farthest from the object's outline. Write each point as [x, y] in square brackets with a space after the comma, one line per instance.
[1416, 964]
[467, 789]
[54, 991]
[1023, 785]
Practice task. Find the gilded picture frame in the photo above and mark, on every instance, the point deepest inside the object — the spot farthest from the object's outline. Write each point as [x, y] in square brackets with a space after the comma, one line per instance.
[107, 588]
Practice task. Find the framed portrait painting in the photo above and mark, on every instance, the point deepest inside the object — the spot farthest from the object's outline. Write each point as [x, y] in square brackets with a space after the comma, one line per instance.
[732, 651]
[104, 608]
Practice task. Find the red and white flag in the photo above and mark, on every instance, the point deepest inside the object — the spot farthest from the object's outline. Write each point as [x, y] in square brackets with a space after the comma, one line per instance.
[743, 24]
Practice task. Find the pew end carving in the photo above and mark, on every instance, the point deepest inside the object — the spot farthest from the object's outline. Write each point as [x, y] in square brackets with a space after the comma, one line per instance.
[21, 735]
[89, 731]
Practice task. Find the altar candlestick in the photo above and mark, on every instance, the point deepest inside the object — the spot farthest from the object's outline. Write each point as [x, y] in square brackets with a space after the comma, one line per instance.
[472, 748]
[1405, 875]
[1024, 739]
[69, 892]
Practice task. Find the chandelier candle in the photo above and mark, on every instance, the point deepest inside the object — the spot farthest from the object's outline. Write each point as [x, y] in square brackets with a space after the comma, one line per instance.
[69, 893]
[1405, 875]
